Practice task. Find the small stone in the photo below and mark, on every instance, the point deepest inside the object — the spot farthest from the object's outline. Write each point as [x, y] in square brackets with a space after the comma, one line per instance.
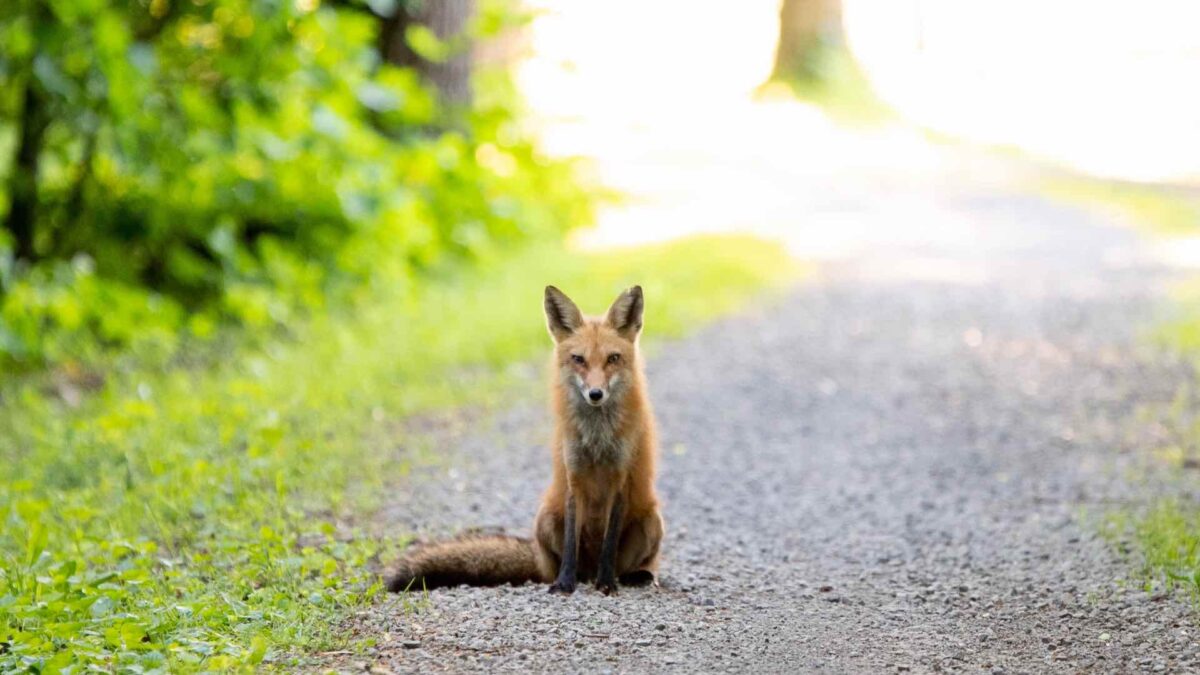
[411, 644]
[1105, 637]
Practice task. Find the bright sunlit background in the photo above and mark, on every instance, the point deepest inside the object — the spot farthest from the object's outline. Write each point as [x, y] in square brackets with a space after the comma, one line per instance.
[1100, 86]
[672, 108]
[245, 243]
[1096, 86]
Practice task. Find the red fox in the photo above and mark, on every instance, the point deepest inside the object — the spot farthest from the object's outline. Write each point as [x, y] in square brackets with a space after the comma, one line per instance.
[599, 519]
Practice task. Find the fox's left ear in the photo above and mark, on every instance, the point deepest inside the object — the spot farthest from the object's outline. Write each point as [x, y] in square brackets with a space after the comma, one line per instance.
[625, 315]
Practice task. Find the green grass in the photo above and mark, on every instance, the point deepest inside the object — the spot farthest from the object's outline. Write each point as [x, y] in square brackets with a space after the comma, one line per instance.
[1167, 537]
[1167, 532]
[1159, 210]
[213, 516]
[1181, 333]
[1163, 534]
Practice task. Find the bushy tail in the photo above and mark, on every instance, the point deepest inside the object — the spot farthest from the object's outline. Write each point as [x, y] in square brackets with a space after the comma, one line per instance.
[476, 560]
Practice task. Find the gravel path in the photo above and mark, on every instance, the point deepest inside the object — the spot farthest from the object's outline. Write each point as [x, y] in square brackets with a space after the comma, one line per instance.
[893, 468]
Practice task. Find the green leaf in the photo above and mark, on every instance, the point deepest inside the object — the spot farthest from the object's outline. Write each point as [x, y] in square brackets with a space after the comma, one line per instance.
[426, 43]
[102, 607]
[51, 77]
[258, 650]
[36, 543]
[384, 8]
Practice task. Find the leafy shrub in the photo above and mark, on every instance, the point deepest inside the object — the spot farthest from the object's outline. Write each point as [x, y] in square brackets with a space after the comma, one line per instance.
[62, 311]
[245, 159]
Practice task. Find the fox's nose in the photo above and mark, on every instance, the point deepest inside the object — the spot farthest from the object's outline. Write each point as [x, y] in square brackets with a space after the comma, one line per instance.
[596, 394]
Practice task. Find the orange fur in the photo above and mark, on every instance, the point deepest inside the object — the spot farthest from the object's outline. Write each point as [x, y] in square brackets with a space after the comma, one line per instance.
[603, 455]
[594, 482]
[488, 560]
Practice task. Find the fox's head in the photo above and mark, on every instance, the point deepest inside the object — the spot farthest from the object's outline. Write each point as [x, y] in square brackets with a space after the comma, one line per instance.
[596, 357]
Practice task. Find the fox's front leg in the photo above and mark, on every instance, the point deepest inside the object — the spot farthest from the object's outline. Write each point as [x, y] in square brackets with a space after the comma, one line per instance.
[606, 576]
[567, 569]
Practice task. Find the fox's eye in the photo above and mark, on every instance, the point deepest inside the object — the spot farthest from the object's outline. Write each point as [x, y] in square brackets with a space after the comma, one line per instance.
[578, 359]
[613, 358]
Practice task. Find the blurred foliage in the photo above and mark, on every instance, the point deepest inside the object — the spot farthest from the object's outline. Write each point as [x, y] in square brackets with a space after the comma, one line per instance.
[215, 515]
[1180, 333]
[243, 161]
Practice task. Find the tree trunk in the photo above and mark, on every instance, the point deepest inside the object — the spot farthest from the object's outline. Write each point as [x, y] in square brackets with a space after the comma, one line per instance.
[72, 217]
[805, 28]
[23, 183]
[448, 21]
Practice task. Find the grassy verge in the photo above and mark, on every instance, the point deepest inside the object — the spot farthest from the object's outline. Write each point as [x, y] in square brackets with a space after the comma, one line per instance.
[1181, 334]
[1167, 538]
[1165, 533]
[204, 518]
[1159, 210]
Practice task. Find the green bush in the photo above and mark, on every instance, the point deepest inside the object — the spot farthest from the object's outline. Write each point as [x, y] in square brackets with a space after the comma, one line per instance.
[63, 311]
[245, 160]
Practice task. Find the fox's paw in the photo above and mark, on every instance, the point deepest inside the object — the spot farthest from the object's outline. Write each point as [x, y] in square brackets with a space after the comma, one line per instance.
[562, 586]
[607, 587]
[637, 578]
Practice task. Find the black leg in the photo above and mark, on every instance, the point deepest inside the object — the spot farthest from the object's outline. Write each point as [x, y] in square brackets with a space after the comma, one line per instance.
[565, 583]
[606, 578]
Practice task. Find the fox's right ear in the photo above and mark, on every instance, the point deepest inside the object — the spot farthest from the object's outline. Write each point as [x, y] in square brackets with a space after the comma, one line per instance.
[562, 316]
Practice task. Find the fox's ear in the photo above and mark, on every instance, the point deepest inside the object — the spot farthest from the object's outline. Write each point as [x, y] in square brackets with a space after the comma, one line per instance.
[562, 316]
[625, 315]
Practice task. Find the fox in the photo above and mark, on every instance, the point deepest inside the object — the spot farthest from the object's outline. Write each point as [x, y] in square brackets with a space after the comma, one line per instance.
[599, 519]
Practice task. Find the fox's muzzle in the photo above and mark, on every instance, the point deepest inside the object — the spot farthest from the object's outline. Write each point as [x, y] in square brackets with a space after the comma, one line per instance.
[593, 387]
[593, 395]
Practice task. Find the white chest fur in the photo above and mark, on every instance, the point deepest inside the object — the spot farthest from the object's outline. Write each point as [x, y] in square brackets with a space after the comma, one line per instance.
[596, 440]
